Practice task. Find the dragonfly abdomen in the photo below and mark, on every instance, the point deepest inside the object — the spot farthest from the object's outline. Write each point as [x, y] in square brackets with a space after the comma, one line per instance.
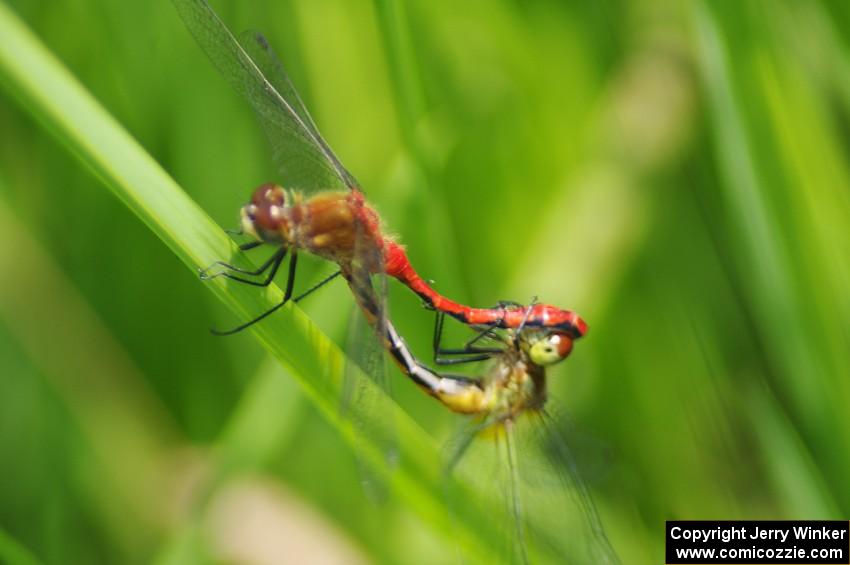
[463, 395]
[398, 266]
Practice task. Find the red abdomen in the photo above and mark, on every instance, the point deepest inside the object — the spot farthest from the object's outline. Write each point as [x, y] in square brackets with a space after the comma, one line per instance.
[539, 315]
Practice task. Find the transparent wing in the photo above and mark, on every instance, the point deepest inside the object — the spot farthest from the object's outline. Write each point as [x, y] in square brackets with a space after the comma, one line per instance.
[258, 48]
[457, 448]
[365, 349]
[368, 282]
[475, 455]
[545, 510]
[555, 494]
[364, 403]
[306, 161]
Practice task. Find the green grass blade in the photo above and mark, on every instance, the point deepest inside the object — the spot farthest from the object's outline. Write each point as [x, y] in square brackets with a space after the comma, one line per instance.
[46, 89]
[13, 553]
[779, 160]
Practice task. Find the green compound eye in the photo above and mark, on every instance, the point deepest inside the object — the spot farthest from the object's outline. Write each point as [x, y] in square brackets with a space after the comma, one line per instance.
[551, 349]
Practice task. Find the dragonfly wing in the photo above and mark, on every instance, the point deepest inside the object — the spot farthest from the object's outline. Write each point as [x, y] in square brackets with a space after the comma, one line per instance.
[542, 508]
[306, 160]
[364, 403]
[477, 455]
[460, 444]
[258, 48]
[513, 496]
[372, 394]
[556, 495]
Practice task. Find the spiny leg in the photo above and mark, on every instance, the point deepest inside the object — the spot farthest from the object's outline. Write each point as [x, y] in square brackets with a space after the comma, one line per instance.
[247, 246]
[461, 361]
[287, 294]
[437, 384]
[469, 347]
[469, 352]
[527, 314]
[508, 304]
[271, 265]
[317, 286]
[486, 332]
[237, 231]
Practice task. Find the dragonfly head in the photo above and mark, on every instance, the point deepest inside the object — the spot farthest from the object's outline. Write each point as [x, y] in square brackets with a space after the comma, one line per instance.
[262, 217]
[548, 347]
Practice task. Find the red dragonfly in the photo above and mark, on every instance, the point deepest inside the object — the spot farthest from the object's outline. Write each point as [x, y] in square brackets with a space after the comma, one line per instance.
[324, 211]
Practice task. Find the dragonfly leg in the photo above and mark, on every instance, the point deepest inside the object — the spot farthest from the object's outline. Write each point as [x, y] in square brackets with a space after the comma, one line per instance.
[461, 361]
[239, 231]
[469, 352]
[525, 317]
[469, 346]
[271, 265]
[508, 304]
[317, 286]
[488, 331]
[287, 294]
[243, 247]
[247, 246]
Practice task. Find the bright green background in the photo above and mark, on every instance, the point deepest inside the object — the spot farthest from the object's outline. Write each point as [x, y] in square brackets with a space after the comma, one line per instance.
[675, 172]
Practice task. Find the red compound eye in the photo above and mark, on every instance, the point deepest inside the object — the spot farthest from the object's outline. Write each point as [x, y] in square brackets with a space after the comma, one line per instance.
[268, 193]
[563, 343]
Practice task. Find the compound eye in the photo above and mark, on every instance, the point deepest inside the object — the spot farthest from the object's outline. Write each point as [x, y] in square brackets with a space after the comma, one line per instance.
[553, 348]
[268, 193]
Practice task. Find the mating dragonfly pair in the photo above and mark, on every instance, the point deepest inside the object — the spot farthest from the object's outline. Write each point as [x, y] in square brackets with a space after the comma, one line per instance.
[324, 212]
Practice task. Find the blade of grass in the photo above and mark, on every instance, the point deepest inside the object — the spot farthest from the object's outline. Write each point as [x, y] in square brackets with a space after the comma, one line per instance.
[47, 90]
[612, 196]
[241, 448]
[128, 433]
[413, 124]
[13, 553]
[739, 89]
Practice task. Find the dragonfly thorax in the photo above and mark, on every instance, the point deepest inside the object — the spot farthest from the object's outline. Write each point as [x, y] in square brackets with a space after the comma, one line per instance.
[515, 385]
